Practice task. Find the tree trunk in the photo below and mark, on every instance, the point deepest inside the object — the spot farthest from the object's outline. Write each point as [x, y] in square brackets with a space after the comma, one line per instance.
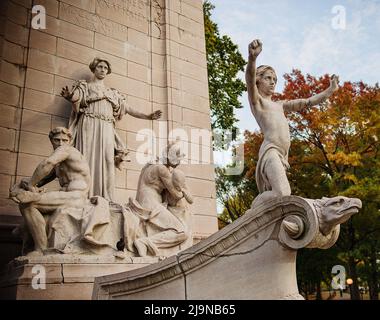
[319, 293]
[374, 287]
[354, 287]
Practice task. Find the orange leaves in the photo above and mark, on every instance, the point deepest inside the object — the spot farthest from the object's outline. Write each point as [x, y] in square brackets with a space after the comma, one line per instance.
[253, 141]
[298, 86]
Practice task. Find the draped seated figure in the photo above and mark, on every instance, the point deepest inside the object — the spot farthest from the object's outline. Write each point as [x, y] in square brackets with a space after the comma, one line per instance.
[69, 221]
[163, 194]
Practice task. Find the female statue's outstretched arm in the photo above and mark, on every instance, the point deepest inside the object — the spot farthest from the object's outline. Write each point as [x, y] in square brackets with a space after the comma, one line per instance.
[137, 114]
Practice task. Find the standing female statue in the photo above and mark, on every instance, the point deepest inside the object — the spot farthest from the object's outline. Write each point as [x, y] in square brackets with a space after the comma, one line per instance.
[96, 108]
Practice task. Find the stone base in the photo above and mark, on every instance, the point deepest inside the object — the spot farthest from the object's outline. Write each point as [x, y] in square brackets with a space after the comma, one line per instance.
[252, 258]
[67, 277]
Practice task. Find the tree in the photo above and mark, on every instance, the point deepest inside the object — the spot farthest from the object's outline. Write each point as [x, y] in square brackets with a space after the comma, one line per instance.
[236, 192]
[320, 262]
[224, 62]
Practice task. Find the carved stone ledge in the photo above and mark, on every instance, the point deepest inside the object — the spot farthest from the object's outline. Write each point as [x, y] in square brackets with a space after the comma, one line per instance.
[67, 276]
[253, 258]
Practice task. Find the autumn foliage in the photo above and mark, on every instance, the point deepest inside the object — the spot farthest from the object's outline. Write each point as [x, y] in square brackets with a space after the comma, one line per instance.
[334, 144]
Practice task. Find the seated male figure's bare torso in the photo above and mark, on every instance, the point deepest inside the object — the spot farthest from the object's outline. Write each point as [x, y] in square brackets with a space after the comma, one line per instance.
[73, 173]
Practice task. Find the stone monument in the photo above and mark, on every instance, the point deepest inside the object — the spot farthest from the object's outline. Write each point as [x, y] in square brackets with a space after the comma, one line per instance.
[127, 230]
[156, 50]
[67, 225]
[70, 167]
[161, 193]
[255, 256]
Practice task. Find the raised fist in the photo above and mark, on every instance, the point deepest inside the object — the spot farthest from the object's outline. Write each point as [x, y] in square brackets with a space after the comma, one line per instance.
[255, 48]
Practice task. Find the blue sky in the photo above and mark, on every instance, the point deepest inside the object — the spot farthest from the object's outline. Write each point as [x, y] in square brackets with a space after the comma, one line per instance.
[302, 34]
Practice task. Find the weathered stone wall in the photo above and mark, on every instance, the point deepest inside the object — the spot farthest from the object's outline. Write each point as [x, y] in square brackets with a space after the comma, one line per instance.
[157, 52]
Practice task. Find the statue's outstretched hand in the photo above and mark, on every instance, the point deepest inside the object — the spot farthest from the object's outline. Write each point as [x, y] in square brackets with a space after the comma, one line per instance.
[255, 48]
[156, 115]
[66, 93]
[334, 82]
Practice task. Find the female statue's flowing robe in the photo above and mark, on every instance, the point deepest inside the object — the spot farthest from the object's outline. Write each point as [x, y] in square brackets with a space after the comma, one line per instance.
[92, 124]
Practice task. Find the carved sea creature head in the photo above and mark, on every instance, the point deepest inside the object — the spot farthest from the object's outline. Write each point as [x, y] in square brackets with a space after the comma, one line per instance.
[334, 211]
[98, 60]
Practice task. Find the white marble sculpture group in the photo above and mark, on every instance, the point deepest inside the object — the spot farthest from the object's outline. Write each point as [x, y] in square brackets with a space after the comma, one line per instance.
[83, 218]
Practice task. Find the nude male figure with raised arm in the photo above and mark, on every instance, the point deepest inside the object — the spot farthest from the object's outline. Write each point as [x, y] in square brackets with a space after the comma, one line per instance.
[271, 168]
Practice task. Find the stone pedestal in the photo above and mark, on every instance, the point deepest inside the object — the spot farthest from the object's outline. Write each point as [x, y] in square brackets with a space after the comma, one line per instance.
[252, 258]
[61, 277]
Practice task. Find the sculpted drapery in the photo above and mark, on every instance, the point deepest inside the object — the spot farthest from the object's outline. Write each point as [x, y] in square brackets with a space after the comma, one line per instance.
[96, 108]
[92, 123]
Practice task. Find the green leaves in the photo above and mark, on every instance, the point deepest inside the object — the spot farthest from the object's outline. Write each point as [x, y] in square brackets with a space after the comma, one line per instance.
[224, 62]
